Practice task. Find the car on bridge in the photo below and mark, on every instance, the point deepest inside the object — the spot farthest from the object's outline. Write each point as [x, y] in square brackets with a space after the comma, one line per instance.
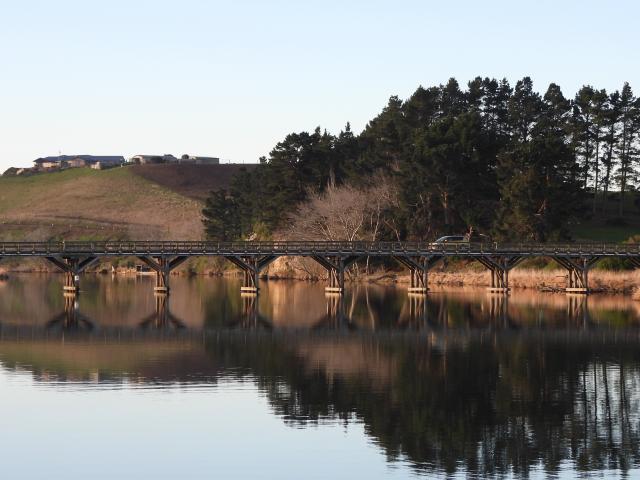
[452, 239]
[473, 238]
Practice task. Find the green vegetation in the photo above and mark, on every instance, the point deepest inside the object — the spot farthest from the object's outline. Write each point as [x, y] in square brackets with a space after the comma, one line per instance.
[493, 158]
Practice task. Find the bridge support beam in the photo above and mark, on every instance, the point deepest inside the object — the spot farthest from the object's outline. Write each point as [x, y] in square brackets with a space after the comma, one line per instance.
[163, 266]
[578, 277]
[251, 268]
[419, 271]
[499, 268]
[72, 268]
[336, 266]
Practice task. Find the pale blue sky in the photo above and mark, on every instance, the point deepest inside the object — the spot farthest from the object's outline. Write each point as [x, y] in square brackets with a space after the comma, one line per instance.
[230, 79]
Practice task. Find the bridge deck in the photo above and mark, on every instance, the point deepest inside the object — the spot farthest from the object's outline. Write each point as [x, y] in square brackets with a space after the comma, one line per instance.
[378, 249]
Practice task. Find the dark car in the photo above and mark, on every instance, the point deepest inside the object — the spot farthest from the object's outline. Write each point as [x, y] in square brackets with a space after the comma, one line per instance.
[452, 239]
[465, 239]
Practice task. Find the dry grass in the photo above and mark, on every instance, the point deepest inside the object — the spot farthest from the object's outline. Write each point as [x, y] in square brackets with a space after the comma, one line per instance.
[83, 203]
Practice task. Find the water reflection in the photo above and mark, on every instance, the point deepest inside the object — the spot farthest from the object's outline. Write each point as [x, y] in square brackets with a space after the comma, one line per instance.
[457, 382]
[204, 303]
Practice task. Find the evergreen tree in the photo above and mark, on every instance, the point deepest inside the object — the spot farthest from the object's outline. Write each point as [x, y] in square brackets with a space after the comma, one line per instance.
[449, 179]
[537, 176]
[627, 148]
[611, 118]
[584, 125]
[221, 217]
[524, 108]
[599, 105]
[383, 139]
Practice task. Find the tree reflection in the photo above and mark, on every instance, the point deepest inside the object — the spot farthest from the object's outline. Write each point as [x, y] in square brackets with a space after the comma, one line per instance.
[486, 407]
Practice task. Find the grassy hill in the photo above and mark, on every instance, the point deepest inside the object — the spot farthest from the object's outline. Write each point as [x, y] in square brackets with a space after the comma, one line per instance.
[607, 225]
[153, 202]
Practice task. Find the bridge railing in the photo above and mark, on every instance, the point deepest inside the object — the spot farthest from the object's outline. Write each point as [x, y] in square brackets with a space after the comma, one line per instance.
[310, 247]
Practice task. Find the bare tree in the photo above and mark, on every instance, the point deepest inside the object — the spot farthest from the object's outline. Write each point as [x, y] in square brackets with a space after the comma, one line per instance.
[347, 212]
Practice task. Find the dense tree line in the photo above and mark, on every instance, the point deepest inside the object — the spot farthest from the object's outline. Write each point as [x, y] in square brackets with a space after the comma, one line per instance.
[493, 157]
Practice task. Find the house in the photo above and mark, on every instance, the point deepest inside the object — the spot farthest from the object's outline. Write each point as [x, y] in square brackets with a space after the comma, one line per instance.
[76, 161]
[47, 163]
[147, 159]
[198, 160]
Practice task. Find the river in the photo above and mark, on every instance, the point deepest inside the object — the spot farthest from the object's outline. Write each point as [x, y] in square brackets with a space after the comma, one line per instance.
[117, 383]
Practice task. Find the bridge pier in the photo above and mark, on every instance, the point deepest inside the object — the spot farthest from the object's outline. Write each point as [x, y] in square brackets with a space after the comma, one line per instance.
[336, 266]
[418, 271]
[499, 268]
[162, 266]
[251, 268]
[578, 273]
[72, 268]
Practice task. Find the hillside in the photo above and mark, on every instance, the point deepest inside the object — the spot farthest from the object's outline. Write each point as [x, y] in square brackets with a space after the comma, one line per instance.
[128, 202]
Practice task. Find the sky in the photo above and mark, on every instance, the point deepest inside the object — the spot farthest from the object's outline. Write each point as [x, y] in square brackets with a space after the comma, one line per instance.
[232, 78]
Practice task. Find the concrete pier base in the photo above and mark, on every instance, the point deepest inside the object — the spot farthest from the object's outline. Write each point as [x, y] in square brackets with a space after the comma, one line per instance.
[417, 290]
[577, 291]
[500, 290]
[333, 289]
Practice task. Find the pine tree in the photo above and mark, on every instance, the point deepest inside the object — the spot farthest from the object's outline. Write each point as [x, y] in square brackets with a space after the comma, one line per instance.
[600, 99]
[524, 108]
[611, 117]
[221, 217]
[537, 174]
[629, 125]
[583, 124]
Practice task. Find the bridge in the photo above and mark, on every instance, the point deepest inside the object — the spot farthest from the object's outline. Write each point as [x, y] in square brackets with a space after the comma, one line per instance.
[75, 257]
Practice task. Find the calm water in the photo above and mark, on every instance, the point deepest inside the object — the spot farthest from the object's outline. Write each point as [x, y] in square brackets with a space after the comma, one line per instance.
[115, 384]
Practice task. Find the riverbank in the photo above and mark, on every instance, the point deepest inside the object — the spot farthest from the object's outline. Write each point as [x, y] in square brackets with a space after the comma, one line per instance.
[468, 275]
[625, 282]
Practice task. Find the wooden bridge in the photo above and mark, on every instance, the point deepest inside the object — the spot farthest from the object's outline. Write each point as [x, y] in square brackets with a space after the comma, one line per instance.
[73, 258]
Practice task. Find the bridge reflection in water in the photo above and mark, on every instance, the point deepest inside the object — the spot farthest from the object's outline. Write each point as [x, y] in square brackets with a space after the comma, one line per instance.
[453, 400]
[454, 382]
[306, 307]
